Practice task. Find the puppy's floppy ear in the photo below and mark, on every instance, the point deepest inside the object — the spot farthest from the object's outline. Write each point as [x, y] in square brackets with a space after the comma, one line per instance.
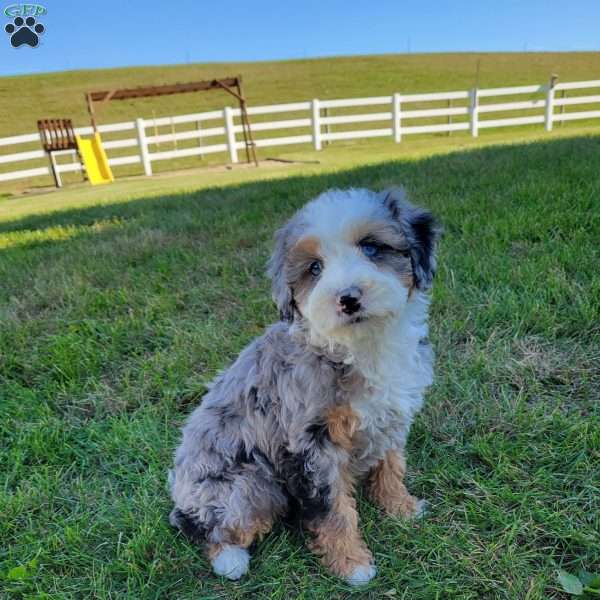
[421, 231]
[280, 289]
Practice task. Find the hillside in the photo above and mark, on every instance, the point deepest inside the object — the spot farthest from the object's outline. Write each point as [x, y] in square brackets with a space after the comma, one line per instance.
[61, 94]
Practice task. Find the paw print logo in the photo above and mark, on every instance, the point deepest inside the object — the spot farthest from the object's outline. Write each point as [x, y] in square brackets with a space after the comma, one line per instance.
[24, 31]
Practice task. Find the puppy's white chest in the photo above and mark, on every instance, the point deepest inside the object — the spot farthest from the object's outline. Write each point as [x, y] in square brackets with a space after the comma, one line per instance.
[387, 406]
[388, 403]
[384, 424]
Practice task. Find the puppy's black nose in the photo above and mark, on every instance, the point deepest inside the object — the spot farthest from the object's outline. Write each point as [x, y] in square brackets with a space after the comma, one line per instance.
[349, 300]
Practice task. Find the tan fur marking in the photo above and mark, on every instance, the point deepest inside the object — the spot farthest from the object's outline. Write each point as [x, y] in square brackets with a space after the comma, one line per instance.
[244, 537]
[337, 539]
[408, 280]
[303, 253]
[380, 230]
[308, 246]
[342, 423]
[241, 537]
[213, 550]
[386, 486]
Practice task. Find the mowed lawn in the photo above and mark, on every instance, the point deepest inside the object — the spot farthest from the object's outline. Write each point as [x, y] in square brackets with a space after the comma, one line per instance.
[113, 319]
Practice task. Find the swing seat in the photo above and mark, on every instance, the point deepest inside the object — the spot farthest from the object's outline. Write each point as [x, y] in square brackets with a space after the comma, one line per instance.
[56, 135]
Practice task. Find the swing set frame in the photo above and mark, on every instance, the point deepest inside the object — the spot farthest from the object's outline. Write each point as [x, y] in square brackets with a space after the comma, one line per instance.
[231, 85]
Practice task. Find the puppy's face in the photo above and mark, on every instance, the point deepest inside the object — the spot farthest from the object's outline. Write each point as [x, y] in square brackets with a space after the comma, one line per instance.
[347, 272]
[352, 258]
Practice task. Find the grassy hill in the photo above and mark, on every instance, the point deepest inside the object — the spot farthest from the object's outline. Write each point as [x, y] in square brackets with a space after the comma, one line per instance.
[62, 94]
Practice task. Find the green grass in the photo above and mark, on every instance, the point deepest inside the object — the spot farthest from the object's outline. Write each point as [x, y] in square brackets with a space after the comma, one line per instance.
[116, 309]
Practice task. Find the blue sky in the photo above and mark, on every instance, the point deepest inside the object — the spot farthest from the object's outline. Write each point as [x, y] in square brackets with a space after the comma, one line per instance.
[109, 33]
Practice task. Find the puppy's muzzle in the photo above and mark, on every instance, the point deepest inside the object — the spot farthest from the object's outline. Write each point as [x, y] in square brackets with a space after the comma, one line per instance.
[349, 300]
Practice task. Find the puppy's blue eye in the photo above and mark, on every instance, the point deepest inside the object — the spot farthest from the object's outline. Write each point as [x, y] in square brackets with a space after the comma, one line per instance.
[369, 250]
[315, 268]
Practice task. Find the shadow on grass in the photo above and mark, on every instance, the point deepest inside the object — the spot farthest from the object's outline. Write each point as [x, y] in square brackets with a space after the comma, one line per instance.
[520, 224]
[443, 177]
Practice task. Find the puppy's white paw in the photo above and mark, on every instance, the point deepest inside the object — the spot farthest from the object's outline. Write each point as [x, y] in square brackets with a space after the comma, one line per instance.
[232, 562]
[361, 575]
[421, 509]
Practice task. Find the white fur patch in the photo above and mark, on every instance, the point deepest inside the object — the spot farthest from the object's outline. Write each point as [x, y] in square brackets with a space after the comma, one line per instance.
[421, 510]
[361, 575]
[232, 562]
[398, 370]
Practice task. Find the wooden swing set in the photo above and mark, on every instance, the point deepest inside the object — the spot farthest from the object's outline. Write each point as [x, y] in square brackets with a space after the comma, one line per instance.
[58, 134]
[231, 85]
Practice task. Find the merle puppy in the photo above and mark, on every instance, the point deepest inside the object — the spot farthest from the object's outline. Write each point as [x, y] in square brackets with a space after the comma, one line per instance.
[326, 397]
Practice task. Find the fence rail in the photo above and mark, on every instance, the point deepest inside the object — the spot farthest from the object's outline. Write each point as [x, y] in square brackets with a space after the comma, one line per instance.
[217, 131]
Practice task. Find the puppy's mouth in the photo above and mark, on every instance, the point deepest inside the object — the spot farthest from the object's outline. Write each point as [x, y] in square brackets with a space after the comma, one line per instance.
[355, 319]
[364, 317]
[358, 319]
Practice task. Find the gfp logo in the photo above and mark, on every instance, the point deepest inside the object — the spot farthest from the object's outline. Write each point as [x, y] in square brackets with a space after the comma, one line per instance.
[25, 28]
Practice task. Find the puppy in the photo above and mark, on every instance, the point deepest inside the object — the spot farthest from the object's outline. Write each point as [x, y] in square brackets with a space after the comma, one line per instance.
[325, 398]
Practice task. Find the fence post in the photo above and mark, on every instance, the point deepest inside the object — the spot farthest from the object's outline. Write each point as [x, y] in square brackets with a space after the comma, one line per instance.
[229, 131]
[473, 110]
[396, 117]
[316, 124]
[143, 143]
[549, 117]
[199, 128]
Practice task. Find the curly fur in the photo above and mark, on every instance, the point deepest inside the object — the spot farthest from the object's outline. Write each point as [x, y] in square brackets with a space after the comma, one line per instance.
[323, 399]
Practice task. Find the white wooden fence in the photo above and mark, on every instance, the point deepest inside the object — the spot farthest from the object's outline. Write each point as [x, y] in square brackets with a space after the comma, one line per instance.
[401, 115]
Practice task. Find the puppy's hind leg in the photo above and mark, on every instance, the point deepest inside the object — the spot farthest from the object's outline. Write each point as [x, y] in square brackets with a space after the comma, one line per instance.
[229, 512]
[230, 558]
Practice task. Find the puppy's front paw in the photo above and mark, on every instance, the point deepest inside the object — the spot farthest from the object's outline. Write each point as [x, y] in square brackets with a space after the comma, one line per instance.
[412, 508]
[231, 562]
[361, 575]
[421, 509]
[406, 507]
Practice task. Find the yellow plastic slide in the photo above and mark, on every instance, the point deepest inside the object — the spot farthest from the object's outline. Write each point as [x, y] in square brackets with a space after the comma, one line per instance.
[94, 160]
